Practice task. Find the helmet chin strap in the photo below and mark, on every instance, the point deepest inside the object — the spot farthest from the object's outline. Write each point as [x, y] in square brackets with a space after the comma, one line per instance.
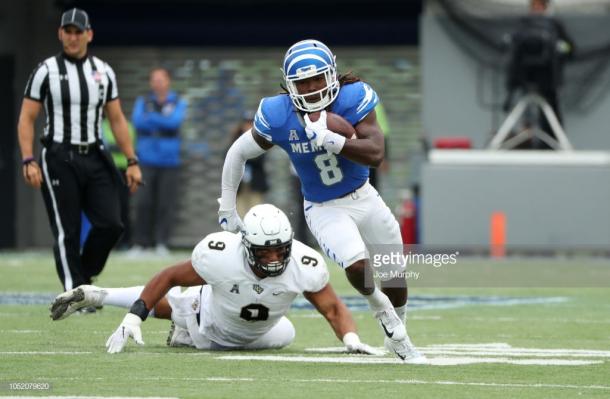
[257, 271]
[260, 269]
[317, 106]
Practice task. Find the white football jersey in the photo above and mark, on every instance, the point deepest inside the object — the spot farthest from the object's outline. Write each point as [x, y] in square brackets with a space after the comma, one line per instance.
[240, 307]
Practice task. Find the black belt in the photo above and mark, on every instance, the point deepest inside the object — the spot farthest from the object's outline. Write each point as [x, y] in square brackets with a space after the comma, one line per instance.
[81, 149]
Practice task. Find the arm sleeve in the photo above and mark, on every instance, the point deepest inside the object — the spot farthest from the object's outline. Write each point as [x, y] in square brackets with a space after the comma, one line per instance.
[38, 84]
[243, 148]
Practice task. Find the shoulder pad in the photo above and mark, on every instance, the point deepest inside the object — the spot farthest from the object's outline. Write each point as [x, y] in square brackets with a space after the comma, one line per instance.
[355, 101]
[272, 113]
[312, 267]
[213, 252]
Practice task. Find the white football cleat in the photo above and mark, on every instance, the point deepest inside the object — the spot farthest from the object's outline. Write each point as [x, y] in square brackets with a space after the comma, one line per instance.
[178, 336]
[80, 297]
[405, 351]
[392, 326]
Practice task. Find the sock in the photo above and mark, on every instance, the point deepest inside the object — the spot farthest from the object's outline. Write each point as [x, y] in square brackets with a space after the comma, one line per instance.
[378, 300]
[401, 311]
[122, 297]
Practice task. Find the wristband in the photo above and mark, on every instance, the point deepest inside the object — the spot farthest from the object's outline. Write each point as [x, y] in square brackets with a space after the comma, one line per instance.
[132, 161]
[27, 161]
[139, 309]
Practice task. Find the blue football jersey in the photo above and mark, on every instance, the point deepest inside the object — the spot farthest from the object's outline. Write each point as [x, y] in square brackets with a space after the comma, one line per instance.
[324, 176]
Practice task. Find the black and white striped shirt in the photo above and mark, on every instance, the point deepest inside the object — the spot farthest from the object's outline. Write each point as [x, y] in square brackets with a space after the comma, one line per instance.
[74, 93]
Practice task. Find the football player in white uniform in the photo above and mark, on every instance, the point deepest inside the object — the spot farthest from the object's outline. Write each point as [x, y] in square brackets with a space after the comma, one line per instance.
[242, 286]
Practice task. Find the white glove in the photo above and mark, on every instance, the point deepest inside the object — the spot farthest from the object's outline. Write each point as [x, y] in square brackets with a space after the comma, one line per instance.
[130, 327]
[354, 346]
[229, 220]
[322, 137]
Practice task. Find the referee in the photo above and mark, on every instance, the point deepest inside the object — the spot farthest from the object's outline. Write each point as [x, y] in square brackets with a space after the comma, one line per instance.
[76, 173]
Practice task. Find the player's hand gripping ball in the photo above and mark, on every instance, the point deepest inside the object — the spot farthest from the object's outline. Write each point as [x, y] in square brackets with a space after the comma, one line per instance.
[335, 123]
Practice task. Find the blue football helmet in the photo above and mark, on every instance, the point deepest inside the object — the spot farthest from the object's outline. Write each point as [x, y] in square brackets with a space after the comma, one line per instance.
[303, 60]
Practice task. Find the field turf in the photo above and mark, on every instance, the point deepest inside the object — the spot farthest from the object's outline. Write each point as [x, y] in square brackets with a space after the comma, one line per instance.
[534, 343]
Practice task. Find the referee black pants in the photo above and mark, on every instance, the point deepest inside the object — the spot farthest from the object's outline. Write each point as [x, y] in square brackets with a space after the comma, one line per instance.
[74, 182]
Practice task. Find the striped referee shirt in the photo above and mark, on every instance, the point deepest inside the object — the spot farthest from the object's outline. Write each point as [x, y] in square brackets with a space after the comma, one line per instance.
[73, 93]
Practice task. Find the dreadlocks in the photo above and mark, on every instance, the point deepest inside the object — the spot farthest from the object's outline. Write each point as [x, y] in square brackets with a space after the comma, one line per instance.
[348, 78]
[344, 79]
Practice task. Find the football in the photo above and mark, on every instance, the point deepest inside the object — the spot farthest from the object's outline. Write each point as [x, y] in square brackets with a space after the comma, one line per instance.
[336, 123]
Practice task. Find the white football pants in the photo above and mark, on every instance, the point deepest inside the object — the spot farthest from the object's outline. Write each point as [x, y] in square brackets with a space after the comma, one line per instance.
[357, 226]
[186, 305]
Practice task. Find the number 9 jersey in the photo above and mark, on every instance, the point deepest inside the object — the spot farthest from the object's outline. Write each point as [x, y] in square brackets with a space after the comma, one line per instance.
[324, 176]
[240, 307]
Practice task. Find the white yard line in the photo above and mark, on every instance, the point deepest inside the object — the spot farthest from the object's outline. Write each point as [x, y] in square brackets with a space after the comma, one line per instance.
[44, 353]
[492, 349]
[516, 353]
[326, 380]
[379, 381]
[88, 397]
[506, 348]
[399, 381]
[435, 361]
[163, 353]
[425, 318]
[482, 384]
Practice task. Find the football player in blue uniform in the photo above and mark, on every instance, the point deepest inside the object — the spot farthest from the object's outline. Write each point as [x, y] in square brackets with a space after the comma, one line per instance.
[343, 211]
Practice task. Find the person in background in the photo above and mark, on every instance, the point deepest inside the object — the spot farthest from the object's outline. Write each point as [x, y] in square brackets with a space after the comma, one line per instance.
[538, 50]
[121, 163]
[157, 118]
[254, 184]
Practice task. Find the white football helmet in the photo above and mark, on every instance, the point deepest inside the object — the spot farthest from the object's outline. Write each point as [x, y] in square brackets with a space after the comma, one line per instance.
[303, 60]
[267, 227]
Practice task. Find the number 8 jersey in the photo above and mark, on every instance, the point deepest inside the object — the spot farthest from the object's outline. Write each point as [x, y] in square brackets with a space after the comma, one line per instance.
[240, 307]
[324, 176]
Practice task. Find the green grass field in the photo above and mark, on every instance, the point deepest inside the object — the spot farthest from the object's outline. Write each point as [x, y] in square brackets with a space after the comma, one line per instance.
[511, 350]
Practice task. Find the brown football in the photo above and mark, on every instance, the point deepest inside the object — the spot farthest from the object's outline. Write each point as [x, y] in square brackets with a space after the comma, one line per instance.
[336, 123]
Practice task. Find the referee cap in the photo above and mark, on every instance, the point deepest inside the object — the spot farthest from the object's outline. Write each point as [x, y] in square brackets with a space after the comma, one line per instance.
[76, 17]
